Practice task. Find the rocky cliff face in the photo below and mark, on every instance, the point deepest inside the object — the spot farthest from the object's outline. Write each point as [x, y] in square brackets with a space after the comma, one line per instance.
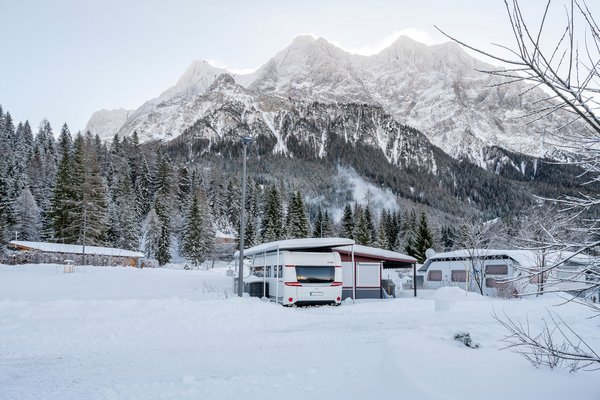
[436, 89]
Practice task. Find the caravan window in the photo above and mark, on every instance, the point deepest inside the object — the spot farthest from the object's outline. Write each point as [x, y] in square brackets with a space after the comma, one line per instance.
[257, 271]
[435, 275]
[496, 269]
[314, 274]
[458, 276]
[491, 282]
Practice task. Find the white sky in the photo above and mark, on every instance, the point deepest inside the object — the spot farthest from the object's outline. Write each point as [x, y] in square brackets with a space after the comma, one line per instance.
[65, 59]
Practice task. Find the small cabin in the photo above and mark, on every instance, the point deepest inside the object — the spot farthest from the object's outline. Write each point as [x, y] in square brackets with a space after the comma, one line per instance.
[25, 252]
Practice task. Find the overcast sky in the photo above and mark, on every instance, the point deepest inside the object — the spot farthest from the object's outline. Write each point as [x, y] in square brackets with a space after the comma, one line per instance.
[64, 59]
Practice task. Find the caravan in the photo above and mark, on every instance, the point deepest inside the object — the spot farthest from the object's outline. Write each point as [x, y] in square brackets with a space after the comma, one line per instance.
[318, 270]
[299, 278]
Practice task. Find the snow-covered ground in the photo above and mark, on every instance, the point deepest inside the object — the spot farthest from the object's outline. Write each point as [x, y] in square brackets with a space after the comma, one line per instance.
[123, 333]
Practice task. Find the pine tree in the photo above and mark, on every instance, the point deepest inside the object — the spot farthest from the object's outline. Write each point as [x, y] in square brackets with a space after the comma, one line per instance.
[63, 196]
[384, 229]
[233, 202]
[250, 232]
[163, 240]
[198, 239]
[152, 235]
[42, 169]
[394, 231]
[128, 219]
[192, 247]
[28, 216]
[372, 232]
[410, 244]
[348, 222]
[143, 190]
[272, 219]
[362, 230]
[318, 231]
[448, 237]
[296, 220]
[327, 225]
[88, 205]
[424, 239]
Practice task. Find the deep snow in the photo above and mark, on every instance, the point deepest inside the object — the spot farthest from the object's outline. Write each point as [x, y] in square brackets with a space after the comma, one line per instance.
[123, 333]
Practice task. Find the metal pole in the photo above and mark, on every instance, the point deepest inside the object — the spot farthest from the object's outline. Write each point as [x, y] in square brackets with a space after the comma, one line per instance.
[277, 277]
[415, 279]
[243, 226]
[353, 277]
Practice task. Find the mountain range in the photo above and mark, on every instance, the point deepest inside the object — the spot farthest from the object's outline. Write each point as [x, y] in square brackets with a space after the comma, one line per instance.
[438, 90]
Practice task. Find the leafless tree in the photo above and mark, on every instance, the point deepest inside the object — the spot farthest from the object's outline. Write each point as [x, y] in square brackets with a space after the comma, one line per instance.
[556, 345]
[477, 237]
[543, 232]
[566, 65]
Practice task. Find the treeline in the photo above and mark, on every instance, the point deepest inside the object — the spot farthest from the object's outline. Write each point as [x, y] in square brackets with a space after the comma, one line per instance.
[77, 189]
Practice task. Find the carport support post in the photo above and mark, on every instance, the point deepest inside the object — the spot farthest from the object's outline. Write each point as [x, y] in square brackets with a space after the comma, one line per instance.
[277, 278]
[353, 277]
[415, 279]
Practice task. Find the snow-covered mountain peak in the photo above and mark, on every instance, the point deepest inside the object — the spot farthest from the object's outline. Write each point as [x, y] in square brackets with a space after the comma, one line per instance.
[194, 81]
[436, 89]
[405, 43]
[105, 123]
[224, 80]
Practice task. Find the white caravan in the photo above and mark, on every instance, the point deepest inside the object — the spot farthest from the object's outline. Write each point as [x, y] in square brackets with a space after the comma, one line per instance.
[506, 272]
[299, 278]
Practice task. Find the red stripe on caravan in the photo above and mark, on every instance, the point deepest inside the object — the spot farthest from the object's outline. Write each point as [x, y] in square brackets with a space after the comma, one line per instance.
[290, 266]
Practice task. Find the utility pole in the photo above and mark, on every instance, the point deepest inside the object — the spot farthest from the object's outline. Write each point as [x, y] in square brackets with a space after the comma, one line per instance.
[246, 140]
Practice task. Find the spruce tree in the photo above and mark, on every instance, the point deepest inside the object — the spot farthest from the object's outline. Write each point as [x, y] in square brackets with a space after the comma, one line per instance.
[198, 238]
[152, 235]
[163, 232]
[193, 248]
[319, 222]
[296, 220]
[88, 205]
[271, 228]
[63, 195]
[348, 222]
[233, 202]
[327, 225]
[370, 226]
[384, 229]
[362, 231]
[143, 190]
[27, 216]
[423, 240]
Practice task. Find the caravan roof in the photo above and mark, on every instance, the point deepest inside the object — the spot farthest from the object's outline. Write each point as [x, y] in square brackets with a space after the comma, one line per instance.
[375, 252]
[525, 258]
[297, 244]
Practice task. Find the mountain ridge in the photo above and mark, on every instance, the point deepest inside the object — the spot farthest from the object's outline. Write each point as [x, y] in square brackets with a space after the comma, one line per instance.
[435, 89]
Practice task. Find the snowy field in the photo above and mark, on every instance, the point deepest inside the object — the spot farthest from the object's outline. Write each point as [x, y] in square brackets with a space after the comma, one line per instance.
[123, 333]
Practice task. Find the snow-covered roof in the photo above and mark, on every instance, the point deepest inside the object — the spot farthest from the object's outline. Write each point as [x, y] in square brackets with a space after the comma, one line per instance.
[375, 252]
[75, 249]
[525, 258]
[297, 244]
